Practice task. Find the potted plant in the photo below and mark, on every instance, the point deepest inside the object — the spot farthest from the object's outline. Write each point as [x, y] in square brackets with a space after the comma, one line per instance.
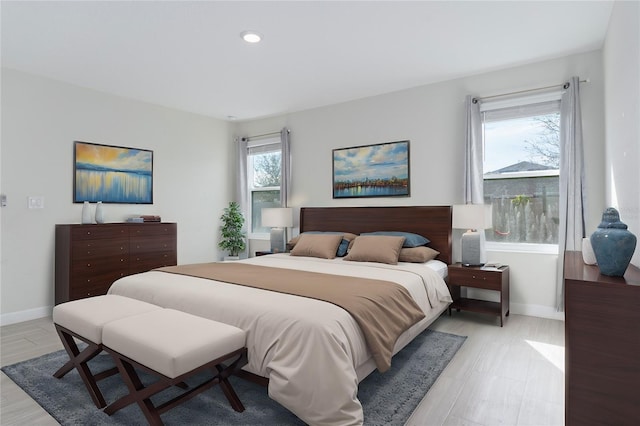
[233, 237]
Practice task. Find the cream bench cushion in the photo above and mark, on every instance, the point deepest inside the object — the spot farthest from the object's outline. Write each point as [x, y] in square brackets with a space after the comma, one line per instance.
[171, 342]
[87, 317]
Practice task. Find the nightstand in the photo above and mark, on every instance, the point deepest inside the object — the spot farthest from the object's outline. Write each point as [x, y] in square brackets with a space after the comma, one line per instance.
[496, 279]
[263, 252]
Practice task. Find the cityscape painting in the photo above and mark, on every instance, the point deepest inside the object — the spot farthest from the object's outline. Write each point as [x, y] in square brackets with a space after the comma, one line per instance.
[112, 174]
[380, 170]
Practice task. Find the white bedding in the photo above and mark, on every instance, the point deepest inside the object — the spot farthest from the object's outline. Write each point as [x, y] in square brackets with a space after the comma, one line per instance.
[313, 352]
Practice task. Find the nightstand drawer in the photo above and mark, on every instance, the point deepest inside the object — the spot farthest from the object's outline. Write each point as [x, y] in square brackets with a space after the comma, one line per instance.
[489, 280]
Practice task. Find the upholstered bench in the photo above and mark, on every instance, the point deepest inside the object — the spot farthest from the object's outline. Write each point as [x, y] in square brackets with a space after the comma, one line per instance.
[84, 319]
[172, 345]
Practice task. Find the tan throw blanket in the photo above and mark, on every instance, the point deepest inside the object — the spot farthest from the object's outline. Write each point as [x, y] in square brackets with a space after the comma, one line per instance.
[382, 309]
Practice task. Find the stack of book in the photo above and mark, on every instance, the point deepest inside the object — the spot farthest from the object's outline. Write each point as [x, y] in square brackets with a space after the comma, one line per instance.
[144, 218]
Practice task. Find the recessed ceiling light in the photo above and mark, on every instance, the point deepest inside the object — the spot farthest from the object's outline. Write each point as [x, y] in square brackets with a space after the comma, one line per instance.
[250, 36]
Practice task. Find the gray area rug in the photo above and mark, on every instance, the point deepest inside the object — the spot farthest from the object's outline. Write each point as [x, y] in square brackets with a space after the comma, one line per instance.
[388, 399]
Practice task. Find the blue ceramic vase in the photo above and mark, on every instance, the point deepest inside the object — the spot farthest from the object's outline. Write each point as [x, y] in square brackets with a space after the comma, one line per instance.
[613, 244]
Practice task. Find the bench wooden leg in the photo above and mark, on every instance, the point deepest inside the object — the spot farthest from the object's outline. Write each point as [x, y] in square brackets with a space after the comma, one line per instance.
[138, 393]
[78, 360]
[228, 390]
[141, 395]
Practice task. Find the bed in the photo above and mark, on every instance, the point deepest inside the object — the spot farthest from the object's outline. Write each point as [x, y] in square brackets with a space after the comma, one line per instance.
[312, 354]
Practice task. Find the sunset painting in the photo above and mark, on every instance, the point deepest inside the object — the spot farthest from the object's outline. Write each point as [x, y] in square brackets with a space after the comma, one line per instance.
[380, 170]
[112, 174]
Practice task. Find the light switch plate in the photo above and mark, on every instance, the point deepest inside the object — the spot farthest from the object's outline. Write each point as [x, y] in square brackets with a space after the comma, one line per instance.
[36, 202]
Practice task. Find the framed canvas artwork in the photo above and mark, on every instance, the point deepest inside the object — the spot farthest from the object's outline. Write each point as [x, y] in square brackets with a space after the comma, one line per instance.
[380, 170]
[112, 174]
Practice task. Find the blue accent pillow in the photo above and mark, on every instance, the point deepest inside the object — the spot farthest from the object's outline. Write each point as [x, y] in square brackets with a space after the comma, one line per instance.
[342, 248]
[344, 244]
[410, 240]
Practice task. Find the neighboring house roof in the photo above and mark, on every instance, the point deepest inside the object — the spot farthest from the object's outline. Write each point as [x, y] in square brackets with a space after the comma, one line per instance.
[523, 166]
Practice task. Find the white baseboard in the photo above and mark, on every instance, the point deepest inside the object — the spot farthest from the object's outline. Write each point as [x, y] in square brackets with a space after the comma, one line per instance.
[29, 314]
[536, 311]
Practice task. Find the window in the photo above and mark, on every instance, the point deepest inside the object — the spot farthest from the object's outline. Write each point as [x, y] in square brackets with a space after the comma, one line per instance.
[522, 171]
[263, 177]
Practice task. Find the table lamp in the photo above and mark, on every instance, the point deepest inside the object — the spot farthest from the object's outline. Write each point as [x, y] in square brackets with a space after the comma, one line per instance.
[278, 219]
[475, 218]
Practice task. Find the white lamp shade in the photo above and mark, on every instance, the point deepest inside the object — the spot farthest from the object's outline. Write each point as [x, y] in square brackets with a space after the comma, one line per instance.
[279, 217]
[472, 216]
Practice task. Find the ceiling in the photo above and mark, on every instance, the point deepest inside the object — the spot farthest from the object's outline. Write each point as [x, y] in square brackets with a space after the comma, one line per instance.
[189, 55]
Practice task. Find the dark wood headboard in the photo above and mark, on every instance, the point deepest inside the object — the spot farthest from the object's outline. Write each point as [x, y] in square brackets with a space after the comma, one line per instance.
[432, 222]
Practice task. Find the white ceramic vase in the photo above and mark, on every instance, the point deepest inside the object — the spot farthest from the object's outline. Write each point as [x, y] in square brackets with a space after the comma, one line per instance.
[588, 255]
[87, 217]
[99, 213]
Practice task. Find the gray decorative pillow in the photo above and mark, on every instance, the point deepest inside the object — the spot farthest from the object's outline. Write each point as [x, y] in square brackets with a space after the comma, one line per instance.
[323, 246]
[375, 248]
[417, 254]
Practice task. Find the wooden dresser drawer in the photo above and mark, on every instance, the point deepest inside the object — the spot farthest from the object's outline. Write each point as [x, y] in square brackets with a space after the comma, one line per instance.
[146, 261]
[94, 232]
[152, 244]
[91, 267]
[96, 249]
[152, 229]
[94, 285]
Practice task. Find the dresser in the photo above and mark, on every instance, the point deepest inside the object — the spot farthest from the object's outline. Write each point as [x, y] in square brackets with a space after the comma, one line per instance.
[89, 258]
[602, 345]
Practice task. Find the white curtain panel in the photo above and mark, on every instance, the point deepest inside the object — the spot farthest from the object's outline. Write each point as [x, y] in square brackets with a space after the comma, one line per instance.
[572, 181]
[285, 168]
[242, 185]
[242, 192]
[473, 179]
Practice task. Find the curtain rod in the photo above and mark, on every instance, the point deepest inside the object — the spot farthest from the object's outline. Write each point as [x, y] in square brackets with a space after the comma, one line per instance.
[247, 138]
[563, 85]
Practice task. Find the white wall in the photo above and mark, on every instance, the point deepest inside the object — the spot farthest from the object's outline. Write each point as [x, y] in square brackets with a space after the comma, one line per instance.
[432, 117]
[193, 177]
[41, 118]
[621, 58]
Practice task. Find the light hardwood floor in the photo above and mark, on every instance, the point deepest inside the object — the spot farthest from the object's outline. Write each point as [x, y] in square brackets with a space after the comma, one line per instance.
[501, 376]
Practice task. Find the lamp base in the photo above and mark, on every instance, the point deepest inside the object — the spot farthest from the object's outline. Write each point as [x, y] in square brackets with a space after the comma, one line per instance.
[277, 240]
[472, 248]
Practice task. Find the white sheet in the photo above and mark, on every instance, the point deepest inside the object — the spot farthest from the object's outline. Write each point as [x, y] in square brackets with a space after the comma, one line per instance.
[313, 352]
[438, 266]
